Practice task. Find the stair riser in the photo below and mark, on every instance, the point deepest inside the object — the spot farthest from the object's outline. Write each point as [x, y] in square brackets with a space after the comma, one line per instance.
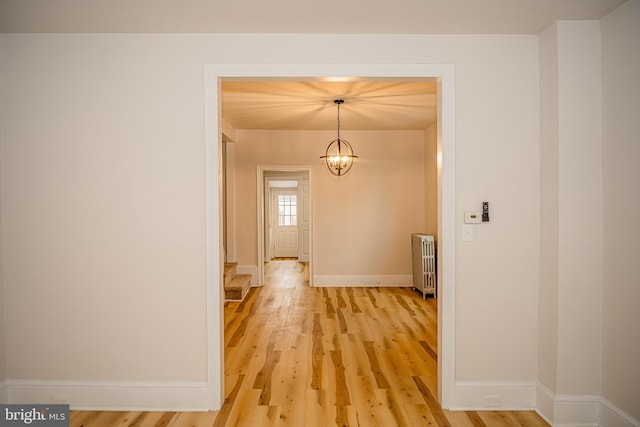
[237, 288]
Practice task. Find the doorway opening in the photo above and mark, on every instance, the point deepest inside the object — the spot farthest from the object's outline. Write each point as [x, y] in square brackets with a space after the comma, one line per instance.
[284, 213]
[444, 75]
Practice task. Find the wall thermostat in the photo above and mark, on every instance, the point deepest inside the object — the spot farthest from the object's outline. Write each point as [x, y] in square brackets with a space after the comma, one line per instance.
[472, 217]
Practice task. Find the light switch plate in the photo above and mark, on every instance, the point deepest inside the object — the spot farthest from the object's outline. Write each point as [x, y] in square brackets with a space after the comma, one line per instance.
[467, 233]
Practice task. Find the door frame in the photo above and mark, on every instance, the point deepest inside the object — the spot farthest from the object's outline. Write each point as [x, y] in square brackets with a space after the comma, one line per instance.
[444, 75]
[260, 205]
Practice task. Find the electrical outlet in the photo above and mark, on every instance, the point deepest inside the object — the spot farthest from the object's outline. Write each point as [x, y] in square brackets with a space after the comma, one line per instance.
[493, 401]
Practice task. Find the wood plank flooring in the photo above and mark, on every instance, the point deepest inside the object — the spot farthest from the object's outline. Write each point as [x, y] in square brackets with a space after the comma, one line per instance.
[300, 356]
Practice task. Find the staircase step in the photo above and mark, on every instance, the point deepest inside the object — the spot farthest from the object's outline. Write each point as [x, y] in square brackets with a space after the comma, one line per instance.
[229, 272]
[238, 287]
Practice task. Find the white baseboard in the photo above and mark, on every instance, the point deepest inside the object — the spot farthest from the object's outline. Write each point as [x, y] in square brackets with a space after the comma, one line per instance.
[545, 403]
[4, 394]
[389, 281]
[493, 395]
[111, 396]
[612, 416]
[249, 269]
[567, 410]
[576, 411]
[580, 410]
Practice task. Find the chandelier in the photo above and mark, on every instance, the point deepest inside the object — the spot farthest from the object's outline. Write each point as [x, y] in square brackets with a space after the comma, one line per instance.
[339, 157]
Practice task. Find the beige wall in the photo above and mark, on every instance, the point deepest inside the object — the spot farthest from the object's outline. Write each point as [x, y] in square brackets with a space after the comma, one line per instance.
[362, 222]
[3, 344]
[587, 316]
[497, 160]
[580, 208]
[621, 175]
[431, 180]
[549, 201]
[103, 227]
[571, 216]
[104, 205]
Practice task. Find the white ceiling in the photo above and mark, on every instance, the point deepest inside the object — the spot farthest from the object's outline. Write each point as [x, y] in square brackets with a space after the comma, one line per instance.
[295, 16]
[308, 105]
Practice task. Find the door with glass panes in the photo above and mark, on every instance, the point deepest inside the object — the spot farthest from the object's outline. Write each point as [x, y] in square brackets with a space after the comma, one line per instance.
[285, 220]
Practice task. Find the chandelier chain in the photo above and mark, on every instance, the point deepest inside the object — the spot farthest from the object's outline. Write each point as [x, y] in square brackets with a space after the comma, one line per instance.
[338, 119]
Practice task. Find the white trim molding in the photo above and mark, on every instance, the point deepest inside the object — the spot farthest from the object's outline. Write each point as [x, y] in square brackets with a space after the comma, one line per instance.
[494, 395]
[612, 416]
[565, 410]
[568, 410]
[444, 75]
[113, 395]
[363, 281]
[544, 403]
[260, 205]
[214, 251]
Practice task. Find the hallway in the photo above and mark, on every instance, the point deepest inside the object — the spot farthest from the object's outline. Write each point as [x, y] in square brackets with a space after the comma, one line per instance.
[298, 356]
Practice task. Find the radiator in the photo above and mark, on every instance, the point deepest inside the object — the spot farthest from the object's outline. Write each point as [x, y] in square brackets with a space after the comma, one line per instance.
[424, 264]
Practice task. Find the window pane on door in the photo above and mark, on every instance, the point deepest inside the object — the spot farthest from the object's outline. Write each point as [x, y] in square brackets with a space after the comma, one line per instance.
[287, 209]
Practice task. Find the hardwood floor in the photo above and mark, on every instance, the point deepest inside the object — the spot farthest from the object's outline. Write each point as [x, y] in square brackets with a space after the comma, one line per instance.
[300, 356]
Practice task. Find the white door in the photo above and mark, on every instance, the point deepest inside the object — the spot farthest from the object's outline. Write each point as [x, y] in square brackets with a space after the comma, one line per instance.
[285, 220]
[304, 221]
